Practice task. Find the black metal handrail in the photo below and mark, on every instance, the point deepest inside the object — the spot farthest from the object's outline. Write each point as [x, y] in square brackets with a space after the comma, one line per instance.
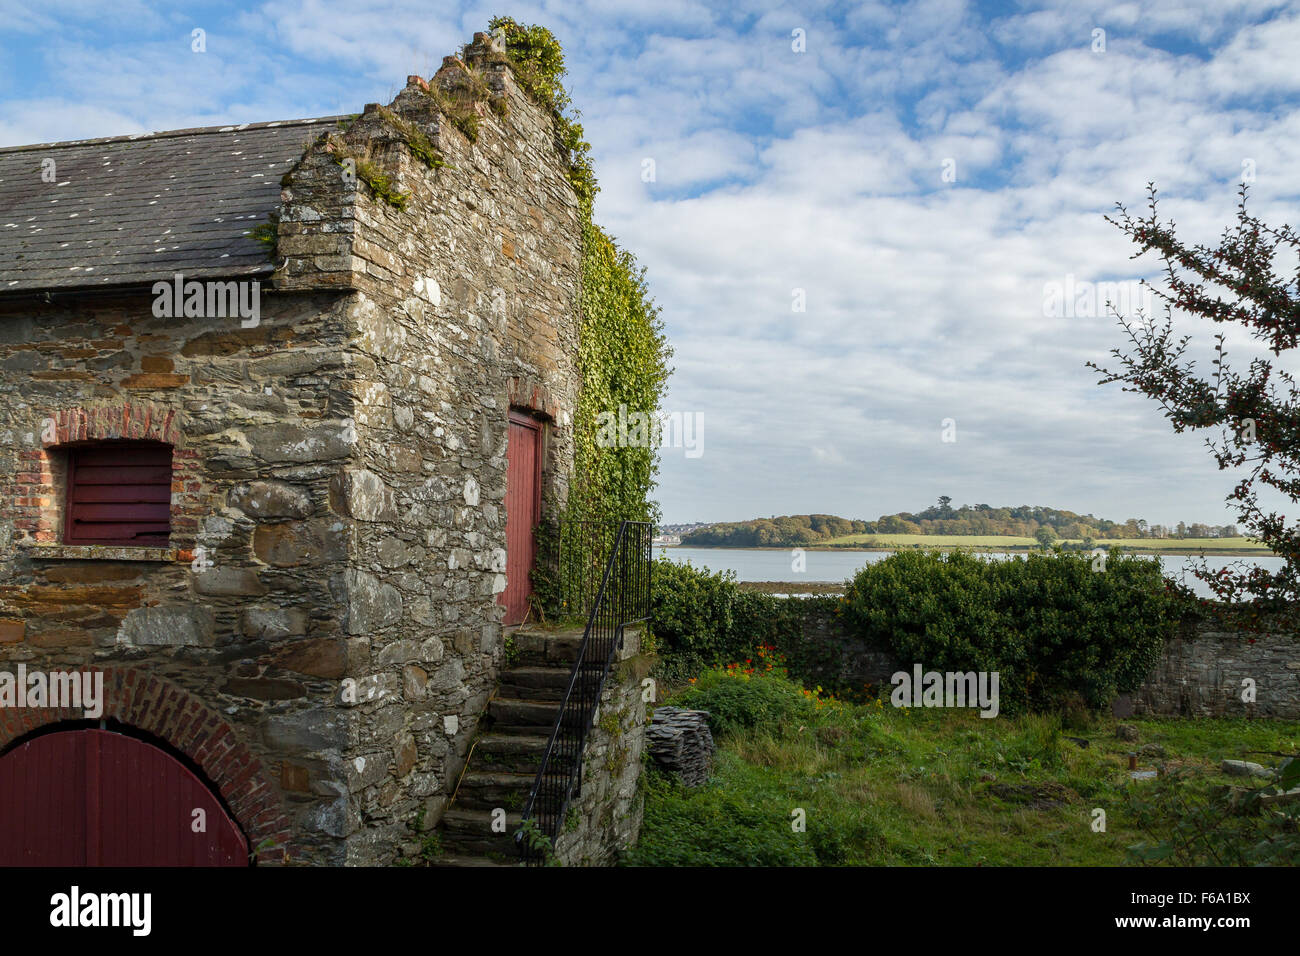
[622, 599]
[581, 557]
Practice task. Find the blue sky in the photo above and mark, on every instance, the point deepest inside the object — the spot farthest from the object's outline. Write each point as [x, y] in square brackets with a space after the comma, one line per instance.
[819, 171]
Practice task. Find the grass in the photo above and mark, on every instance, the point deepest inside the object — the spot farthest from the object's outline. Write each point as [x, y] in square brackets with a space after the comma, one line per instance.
[790, 587]
[1186, 544]
[1191, 545]
[933, 540]
[881, 786]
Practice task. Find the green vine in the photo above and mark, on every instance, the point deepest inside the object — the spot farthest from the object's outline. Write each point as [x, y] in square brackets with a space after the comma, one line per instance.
[623, 351]
[547, 593]
[623, 362]
[538, 842]
[538, 62]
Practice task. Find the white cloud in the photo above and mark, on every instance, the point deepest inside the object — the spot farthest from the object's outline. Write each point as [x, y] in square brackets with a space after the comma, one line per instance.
[820, 171]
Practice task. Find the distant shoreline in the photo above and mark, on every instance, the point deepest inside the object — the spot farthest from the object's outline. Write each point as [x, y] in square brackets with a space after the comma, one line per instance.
[988, 549]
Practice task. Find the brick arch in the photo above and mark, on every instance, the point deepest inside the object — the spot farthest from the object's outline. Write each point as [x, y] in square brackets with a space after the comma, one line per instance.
[174, 715]
[528, 392]
[139, 421]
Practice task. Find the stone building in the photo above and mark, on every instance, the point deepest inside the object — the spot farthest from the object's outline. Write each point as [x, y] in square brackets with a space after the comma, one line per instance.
[258, 478]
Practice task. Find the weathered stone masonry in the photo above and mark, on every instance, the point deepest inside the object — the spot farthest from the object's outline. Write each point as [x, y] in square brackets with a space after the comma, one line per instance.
[1199, 675]
[341, 464]
[1202, 670]
[606, 817]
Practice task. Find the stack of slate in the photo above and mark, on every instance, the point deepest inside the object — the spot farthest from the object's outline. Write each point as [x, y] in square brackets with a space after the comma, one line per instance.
[680, 743]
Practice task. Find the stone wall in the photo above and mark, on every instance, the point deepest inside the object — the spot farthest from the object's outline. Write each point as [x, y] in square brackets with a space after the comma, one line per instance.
[606, 818]
[681, 744]
[255, 642]
[1200, 674]
[342, 466]
[466, 306]
[833, 655]
[1203, 670]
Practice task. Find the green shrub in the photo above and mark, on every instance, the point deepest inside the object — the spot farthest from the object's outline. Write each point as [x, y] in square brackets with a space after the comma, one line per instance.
[1187, 821]
[691, 611]
[702, 619]
[1051, 625]
[737, 701]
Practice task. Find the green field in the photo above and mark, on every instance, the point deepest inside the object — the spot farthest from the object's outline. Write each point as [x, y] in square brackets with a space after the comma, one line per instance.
[929, 787]
[995, 542]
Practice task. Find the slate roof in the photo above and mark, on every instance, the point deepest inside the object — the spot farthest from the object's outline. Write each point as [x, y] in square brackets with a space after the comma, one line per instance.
[136, 209]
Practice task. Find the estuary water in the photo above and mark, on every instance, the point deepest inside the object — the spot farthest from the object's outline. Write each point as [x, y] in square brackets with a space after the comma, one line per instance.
[755, 564]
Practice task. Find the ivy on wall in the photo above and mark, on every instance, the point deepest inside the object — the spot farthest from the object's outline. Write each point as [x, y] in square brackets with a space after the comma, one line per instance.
[623, 352]
[623, 360]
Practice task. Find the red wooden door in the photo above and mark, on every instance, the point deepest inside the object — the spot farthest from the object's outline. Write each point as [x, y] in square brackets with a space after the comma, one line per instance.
[97, 798]
[523, 512]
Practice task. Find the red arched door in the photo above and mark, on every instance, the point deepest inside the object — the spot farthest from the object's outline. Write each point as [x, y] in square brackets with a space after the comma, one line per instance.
[98, 798]
[523, 512]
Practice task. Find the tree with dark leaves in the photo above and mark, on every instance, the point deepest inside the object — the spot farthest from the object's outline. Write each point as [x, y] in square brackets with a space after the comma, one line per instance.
[1252, 411]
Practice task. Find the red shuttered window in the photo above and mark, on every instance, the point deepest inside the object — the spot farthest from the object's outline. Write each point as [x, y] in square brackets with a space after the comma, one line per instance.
[119, 493]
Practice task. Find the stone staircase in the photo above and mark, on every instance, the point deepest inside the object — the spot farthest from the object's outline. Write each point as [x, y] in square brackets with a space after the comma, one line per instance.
[508, 750]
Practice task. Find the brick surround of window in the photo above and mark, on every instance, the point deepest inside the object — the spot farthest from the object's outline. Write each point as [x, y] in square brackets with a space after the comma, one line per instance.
[36, 496]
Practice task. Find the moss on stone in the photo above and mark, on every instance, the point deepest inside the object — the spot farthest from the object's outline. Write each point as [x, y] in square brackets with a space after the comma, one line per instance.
[637, 667]
[380, 184]
[538, 63]
[616, 761]
[458, 97]
[267, 233]
[367, 172]
[415, 139]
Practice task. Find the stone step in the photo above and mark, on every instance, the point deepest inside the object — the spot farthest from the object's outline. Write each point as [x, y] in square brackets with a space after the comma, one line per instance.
[511, 753]
[520, 730]
[490, 789]
[468, 832]
[543, 648]
[557, 648]
[535, 683]
[488, 848]
[510, 711]
[553, 676]
[458, 820]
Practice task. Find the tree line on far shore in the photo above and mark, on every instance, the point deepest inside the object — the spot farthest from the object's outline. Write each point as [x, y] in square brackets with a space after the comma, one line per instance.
[1027, 521]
